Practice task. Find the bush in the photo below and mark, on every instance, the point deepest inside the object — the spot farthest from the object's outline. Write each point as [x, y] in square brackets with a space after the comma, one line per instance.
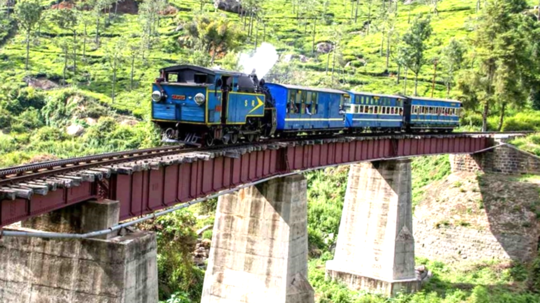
[526, 121]
[7, 144]
[48, 133]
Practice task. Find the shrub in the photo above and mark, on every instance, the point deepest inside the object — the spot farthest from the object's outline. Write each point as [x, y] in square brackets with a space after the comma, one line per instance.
[7, 144]
[525, 121]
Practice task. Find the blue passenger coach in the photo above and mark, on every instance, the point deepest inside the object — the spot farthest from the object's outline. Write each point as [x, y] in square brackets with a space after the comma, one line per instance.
[304, 108]
[375, 111]
[434, 114]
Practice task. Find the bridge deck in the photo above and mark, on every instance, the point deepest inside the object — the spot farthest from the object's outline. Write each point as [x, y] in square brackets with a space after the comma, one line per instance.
[148, 185]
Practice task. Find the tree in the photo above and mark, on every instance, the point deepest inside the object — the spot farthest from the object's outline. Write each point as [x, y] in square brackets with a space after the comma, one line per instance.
[215, 35]
[133, 52]
[501, 61]
[115, 57]
[149, 16]
[412, 48]
[452, 59]
[68, 19]
[64, 44]
[28, 14]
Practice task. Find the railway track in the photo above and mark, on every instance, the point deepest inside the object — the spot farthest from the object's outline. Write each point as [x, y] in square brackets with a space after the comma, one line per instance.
[37, 171]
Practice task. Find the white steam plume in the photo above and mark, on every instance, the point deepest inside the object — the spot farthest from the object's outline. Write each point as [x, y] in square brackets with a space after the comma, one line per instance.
[262, 61]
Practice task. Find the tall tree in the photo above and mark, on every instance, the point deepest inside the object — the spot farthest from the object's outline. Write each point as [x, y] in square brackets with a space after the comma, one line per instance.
[64, 44]
[115, 57]
[411, 52]
[28, 14]
[502, 58]
[133, 53]
[68, 19]
[451, 60]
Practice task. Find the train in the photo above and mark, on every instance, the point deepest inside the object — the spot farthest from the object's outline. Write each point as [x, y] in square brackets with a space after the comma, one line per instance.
[201, 106]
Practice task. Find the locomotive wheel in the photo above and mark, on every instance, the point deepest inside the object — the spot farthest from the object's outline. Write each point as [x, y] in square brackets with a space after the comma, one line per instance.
[234, 138]
[209, 140]
[250, 138]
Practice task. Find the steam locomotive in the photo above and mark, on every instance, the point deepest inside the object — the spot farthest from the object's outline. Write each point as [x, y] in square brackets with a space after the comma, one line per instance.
[204, 107]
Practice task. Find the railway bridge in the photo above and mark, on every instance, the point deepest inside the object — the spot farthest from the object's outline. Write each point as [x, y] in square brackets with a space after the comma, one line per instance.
[67, 233]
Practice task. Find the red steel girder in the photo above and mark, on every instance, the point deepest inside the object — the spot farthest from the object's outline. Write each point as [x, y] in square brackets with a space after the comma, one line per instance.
[143, 192]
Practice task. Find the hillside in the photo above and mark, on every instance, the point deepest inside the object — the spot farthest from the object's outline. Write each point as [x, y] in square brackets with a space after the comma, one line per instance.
[69, 82]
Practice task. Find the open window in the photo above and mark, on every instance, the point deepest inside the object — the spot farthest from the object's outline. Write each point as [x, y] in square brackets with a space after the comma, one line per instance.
[291, 105]
[311, 103]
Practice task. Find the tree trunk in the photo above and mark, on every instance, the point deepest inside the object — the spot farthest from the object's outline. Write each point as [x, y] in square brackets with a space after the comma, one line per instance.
[97, 30]
[74, 53]
[501, 117]
[114, 80]
[416, 84]
[213, 55]
[251, 24]
[369, 17]
[27, 48]
[84, 44]
[405, 80]
[132, 72]
[333, 64]
[313, 39]
[398, 73]
[256, 35]
[66, 50]
[356, 12]
[327, 63]
[485, 113]
[388, 36]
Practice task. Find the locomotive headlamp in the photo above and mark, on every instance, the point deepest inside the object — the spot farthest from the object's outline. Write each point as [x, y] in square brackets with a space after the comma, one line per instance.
[199, 99]
[156, 96]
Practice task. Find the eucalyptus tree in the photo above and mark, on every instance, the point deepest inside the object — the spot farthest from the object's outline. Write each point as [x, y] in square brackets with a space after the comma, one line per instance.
[411, 52]
[64, 43]
[28, 14]
[114, 54]
[502, 59]
[452, 57]
[68, 19]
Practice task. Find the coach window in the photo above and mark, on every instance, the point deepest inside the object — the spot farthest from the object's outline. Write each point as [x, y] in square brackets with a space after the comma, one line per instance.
[301, 101]
[293, 94]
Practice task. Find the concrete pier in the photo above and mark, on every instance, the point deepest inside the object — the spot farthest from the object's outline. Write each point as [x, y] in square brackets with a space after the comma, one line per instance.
[375, 247]
[259, 247]
[113, 269]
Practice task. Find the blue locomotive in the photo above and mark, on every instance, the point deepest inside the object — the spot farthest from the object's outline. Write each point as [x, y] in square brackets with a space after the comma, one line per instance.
[201, 106]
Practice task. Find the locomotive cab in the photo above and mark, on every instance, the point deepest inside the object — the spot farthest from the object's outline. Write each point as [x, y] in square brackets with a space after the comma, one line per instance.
[196, 105]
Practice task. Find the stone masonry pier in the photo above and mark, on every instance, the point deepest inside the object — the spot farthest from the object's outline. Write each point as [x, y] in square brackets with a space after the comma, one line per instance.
[114, 269]
[375, 247]
[259, 248]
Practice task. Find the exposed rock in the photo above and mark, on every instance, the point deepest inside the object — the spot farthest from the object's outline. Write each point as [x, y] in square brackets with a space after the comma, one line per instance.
[90, 121]
[232, 6]
[180, 27]
[476, 218]
[40, 83]
[169, 11]
[75, 130]
[129, 122]
[325, 47]
[423, 274]
[201, 253]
